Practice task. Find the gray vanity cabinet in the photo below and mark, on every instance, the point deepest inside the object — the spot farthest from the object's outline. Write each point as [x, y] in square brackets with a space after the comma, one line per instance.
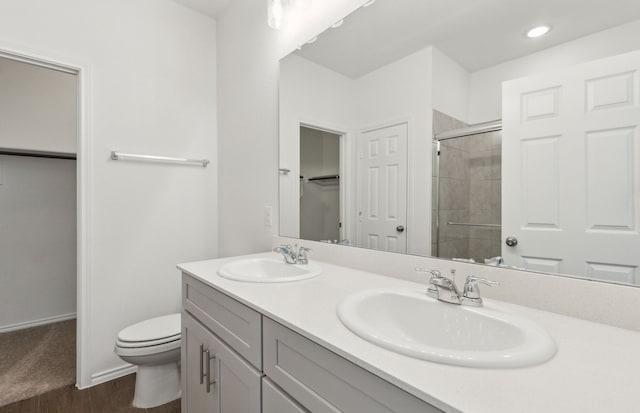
[275, 400]
[222, 346]
[322, 381]
[215, 378]
[239, 326]
[229, 345]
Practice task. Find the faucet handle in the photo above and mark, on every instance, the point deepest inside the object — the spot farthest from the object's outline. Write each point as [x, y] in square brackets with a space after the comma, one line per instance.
[302, 257]
[436, 275]
[281, 247]
[471, 289]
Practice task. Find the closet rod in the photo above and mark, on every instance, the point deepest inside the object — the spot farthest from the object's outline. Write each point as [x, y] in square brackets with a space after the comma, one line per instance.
[117, 156]
[37, 154]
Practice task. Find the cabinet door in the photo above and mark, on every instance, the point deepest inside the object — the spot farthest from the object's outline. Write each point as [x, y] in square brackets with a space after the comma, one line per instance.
[324, 382]
[234, 385]
[195, 399]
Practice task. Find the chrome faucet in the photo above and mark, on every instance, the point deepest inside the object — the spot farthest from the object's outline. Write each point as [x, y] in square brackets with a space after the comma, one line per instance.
[445, 289]
[293, 255]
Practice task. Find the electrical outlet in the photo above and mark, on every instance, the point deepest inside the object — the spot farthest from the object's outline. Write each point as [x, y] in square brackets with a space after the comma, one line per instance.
[268, 216]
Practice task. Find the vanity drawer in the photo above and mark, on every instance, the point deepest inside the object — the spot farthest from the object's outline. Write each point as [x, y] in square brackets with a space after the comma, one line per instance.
[322, 381]
[275, 400]
[235, 323]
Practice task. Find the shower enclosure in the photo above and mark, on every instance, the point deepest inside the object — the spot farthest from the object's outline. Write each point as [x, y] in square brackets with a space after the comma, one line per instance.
[466, 195]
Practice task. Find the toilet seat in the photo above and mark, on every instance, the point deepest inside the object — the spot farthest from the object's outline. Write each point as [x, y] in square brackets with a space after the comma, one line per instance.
[152, 332]
[147, 350]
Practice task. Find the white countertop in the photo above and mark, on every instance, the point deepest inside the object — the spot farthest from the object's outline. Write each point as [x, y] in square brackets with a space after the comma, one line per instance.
[596, 369]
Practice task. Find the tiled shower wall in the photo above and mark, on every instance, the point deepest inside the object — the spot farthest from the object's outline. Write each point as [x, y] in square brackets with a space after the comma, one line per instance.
[470, 170]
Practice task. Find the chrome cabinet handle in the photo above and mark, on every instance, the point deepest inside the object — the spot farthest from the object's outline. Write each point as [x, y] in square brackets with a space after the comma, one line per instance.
[208, 370]
[511, 241]
[201, 361]
[400, 228]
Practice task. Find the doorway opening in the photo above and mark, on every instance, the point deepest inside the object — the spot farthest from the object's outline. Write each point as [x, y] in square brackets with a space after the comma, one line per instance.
[40, 258]
[321, 185]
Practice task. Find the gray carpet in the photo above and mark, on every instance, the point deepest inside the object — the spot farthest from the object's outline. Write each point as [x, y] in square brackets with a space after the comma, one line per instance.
[36, 360]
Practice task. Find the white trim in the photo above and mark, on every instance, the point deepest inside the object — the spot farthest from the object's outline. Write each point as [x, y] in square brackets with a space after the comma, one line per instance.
[387, 124]
[36, 323]
[111, 374]
[85, 227]
[321, 126]
[37, 62]
[84, 190]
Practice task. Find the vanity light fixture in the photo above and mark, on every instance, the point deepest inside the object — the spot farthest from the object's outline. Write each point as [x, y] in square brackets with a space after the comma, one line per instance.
[279, 10]
[538, 31]
[275, 10]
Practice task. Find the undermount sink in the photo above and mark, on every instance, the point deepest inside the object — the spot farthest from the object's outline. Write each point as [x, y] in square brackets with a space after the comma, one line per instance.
[267, 270]
[411, 323]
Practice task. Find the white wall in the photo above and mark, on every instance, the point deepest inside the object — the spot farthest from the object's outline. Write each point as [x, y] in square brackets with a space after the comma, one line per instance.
[248, 59]
[37, 241]
[151, 89]
[450, 86]
[38, 108]
[486, 85]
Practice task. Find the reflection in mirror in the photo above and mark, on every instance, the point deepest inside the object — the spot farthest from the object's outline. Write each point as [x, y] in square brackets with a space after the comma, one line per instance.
[319, 185]
[462, 138]
[466, 191]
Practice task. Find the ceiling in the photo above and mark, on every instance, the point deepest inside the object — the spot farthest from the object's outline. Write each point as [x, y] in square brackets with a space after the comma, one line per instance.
[211, 8]
[475, 33]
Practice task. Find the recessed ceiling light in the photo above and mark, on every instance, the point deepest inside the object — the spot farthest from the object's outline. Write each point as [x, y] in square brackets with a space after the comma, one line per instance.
[538, 31]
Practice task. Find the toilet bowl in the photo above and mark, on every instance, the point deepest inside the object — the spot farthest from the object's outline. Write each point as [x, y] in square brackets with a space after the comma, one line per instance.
[154, 346]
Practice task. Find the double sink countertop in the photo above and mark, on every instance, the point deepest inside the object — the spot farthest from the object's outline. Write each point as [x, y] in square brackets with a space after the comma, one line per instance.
[595, 368]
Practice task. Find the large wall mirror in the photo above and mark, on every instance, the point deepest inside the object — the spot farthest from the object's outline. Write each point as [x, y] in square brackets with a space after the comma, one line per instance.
[427, 128]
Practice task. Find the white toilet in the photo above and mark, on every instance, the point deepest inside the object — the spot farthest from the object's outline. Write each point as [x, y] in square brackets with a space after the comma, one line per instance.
[154, 346]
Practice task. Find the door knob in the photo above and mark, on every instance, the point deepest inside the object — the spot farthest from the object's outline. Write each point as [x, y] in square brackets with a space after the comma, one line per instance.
[511, 241]
[400, 228]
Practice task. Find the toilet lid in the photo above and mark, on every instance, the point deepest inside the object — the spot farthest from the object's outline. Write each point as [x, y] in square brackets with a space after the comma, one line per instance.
[159, 329]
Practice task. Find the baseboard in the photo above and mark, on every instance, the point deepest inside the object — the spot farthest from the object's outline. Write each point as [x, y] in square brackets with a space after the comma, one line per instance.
[35, 323]
[111, 374]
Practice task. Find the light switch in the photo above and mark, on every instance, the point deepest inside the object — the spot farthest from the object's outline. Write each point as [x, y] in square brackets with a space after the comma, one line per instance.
[268, 216]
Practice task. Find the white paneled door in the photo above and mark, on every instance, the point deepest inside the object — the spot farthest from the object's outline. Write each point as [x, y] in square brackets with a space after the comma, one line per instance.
[571, 170]
[382, 188]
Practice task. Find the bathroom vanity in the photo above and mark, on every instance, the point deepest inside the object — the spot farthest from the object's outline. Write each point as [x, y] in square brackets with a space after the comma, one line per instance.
[263, 357]
[280, 348]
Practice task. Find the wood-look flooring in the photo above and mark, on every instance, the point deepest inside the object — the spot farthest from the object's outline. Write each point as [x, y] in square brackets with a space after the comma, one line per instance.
[112, 397]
